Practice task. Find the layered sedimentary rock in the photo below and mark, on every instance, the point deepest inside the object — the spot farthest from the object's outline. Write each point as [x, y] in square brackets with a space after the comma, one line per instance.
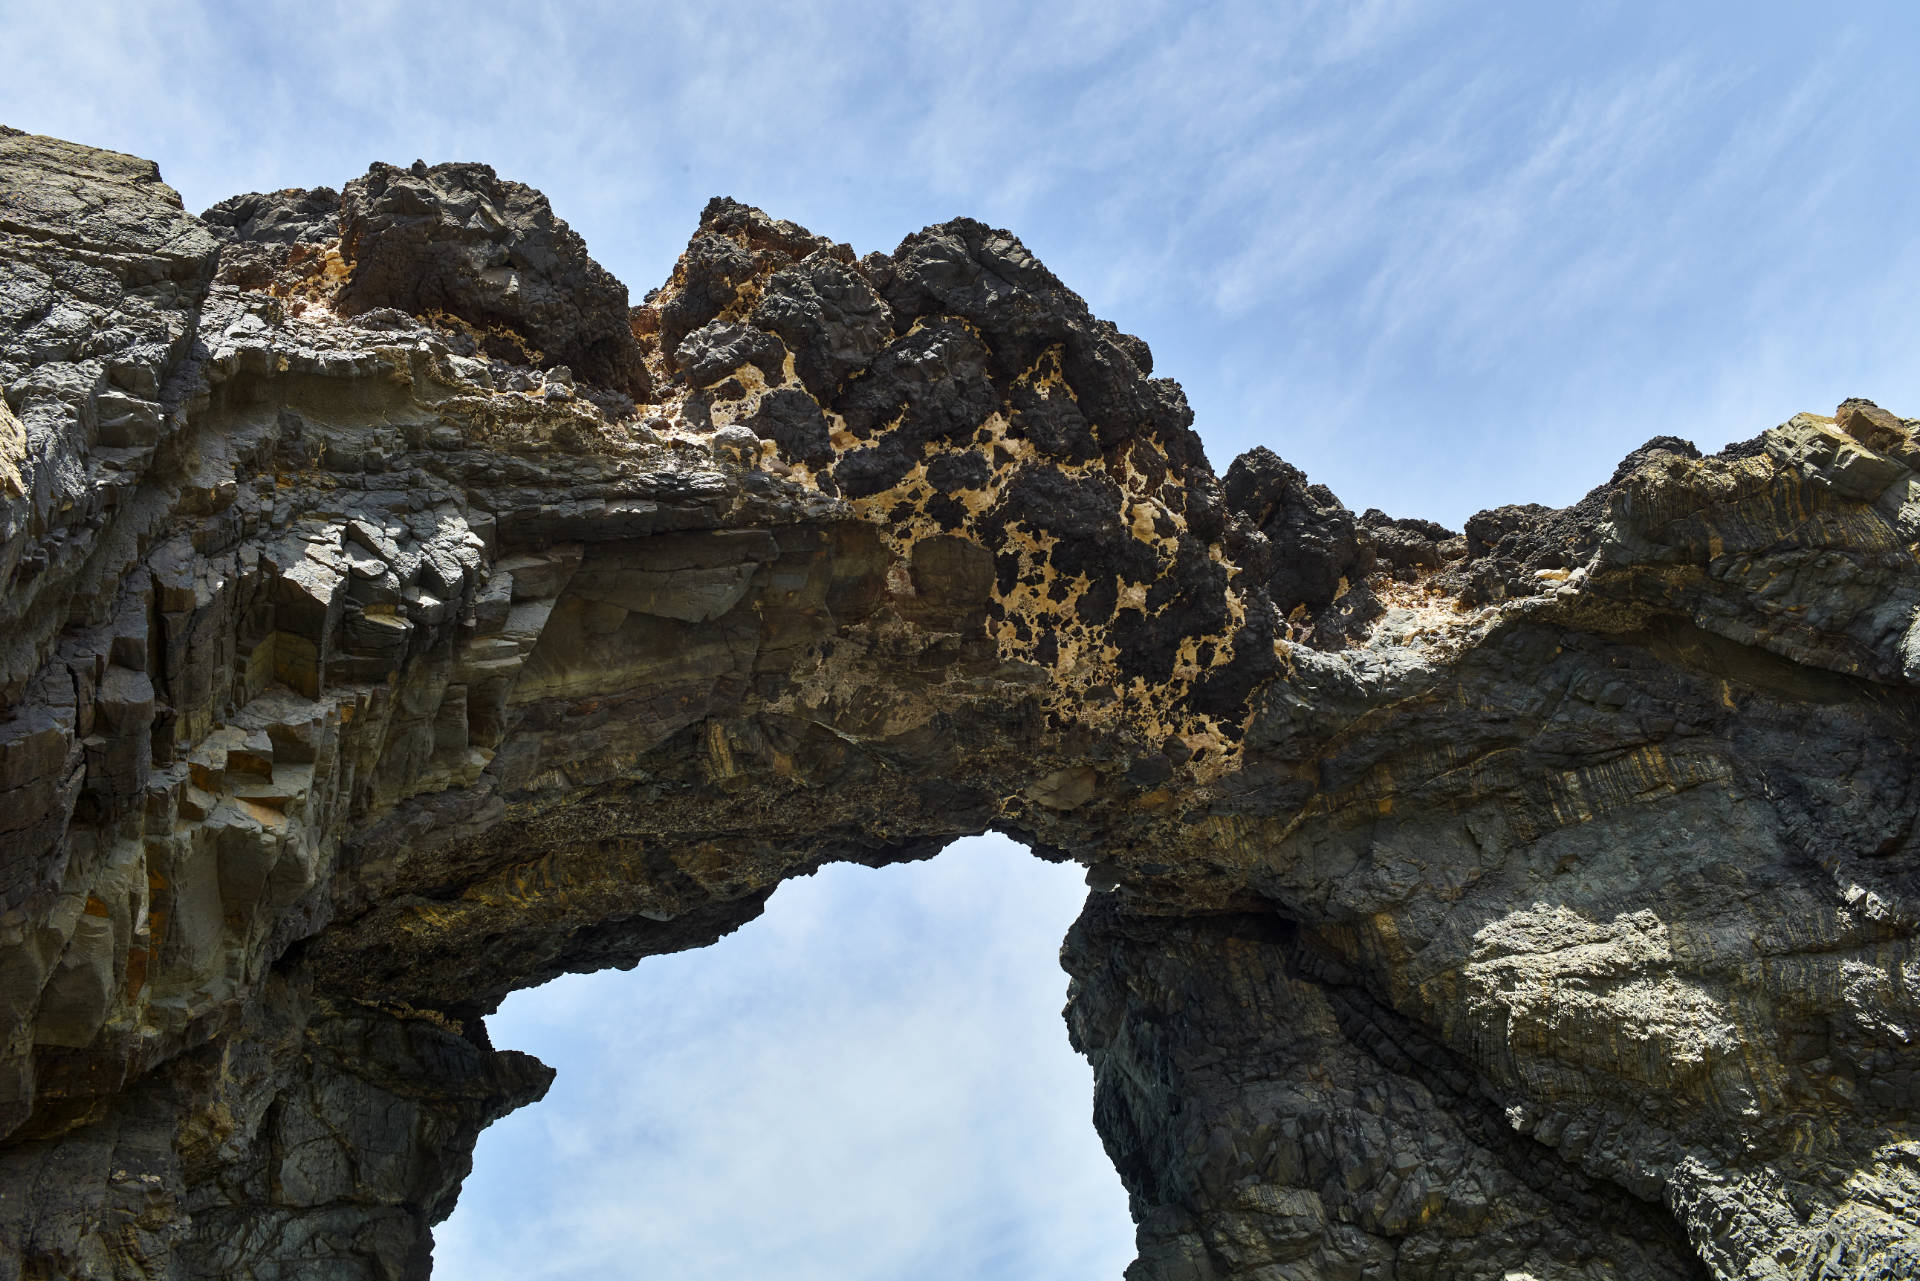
[393, 618]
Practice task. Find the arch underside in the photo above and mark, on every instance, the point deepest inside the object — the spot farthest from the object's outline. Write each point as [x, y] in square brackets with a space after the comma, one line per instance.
[1534, 903]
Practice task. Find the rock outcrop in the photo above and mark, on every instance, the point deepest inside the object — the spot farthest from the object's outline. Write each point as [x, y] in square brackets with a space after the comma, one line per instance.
[391, 618]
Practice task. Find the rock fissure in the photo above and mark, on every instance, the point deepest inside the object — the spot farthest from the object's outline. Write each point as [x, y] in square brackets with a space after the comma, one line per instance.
[392, 617]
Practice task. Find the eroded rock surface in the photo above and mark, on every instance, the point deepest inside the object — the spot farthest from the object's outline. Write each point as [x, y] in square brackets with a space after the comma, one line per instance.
[392, 619]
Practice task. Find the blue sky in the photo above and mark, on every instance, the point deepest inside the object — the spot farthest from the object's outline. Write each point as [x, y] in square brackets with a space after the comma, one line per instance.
[870, 1082]
[1442, 256]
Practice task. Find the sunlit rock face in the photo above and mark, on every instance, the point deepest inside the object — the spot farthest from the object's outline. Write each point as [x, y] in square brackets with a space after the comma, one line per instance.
[384, 629]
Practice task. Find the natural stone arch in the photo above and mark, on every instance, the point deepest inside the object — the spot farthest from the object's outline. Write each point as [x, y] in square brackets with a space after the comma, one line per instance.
[1535, 902]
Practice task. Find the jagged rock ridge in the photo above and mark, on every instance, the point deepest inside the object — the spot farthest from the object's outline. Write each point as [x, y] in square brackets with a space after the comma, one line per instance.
[393, 618]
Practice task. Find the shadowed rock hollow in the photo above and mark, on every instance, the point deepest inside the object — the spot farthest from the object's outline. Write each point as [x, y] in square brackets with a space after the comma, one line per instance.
[392, 618]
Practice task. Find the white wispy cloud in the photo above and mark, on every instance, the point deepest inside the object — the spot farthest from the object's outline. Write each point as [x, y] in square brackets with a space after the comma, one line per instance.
[871, 1081]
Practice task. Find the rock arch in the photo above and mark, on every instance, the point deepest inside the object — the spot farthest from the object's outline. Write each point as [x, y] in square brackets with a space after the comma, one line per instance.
[1533, 901]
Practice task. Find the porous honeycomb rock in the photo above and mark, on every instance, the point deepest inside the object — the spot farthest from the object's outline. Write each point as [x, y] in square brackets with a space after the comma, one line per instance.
[390, 618]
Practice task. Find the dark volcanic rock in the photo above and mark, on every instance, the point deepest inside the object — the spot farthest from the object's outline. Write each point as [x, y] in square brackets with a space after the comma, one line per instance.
[709, 275]
[1408, 544]
[456, 238]
[713, 351]
[1312, 544]
[986, 277]
[793, 422]
[285, 217]
[737, 244]
[829, 313]
[275, 241]
[1534, 903]
[1511, 550]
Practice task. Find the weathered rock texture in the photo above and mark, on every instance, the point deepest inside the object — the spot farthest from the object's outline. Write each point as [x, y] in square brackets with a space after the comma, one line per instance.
[390, 619]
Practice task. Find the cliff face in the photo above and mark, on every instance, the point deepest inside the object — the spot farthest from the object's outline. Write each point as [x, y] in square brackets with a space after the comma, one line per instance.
[392, 618]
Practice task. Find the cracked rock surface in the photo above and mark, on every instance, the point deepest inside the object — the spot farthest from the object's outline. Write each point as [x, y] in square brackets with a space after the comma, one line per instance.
[391, 617]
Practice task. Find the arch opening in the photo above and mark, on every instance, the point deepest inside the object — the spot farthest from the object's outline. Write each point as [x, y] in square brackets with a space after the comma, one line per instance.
[872, 1080]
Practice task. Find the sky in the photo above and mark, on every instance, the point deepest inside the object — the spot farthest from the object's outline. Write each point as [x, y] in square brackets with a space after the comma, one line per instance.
[869, 1083]
[1442, 256]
